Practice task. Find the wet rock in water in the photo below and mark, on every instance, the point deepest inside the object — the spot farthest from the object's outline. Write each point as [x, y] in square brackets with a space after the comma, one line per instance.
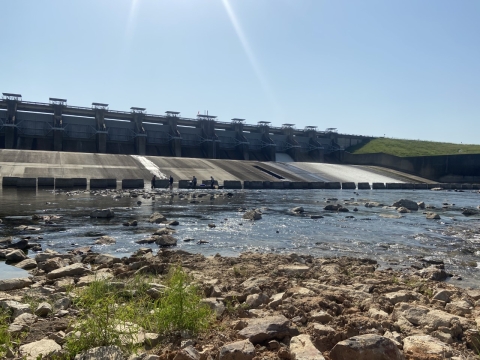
[130, 223]
[366, 347]
[432, 216]
[102, 213]
[27, 264]
[425, 347]
[102, 352]
[21, 245]
[433, 273]
[157, 218]
[408, 204]
[149, 240]
[252, 215]
[238, 350]
[298, 210]
[316, 217]
[470, 212]
[334, 207]
[200, 242]
[15, 256]
[172, 223]
[26, 228]
[51, 264]
[421, 205]
[403, 210]
[164, 231]
[42, 349]
[267, 328]
[12, 284]
[373, 204]
[212, 226]
[166, 240]
[302, 348]
[105, 240]
[70, 270]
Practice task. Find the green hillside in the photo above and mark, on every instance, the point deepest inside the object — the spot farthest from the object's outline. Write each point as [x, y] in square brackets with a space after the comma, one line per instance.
[413, 148]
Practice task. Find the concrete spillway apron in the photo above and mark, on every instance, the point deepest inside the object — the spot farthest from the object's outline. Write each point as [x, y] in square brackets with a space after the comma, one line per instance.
[150, 166]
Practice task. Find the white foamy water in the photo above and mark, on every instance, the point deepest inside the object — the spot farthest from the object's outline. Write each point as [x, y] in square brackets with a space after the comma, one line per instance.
[150, 166]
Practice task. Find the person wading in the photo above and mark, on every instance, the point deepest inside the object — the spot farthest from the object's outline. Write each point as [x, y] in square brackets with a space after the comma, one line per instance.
[153, 181]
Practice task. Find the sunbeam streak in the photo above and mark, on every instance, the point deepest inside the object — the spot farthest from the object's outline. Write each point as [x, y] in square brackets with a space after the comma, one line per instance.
[250, 55]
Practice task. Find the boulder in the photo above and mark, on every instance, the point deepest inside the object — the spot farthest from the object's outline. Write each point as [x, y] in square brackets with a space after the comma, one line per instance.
[102, 213]
[12, 284]
[425, 347]
[267, 328]
[255, 300]
[40, 349]
[105, 240]
[16, 256]
[433, 273]
[70, 270]
[408, 204]
[298, 210]
[47, 254]
[15, 307]
[470, 212]
[460, 308]
[106, 259]
[403, 210]
[238, 350]
[366, 347]
[87, 280]
[215, 305]
[302, 348]
[443, 295]
[27, 264]
[165, 240]
[187, 353]
[157, 218]
[43, 309]
[432, 216]
[252, 215]
[62, 304]
[52, 264]
[421, 205]
[333, 207]
[102, 352]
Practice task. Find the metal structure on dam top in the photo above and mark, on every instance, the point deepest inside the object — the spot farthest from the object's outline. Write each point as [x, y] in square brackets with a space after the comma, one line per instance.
[97, 129]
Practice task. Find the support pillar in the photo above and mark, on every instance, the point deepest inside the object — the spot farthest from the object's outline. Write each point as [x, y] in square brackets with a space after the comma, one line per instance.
[57, 124]
[175, 141]
[101, 135]
[242, 148]
[270, 150]
[10, 126]
[140, 133]
[293, 151]
[210, 145]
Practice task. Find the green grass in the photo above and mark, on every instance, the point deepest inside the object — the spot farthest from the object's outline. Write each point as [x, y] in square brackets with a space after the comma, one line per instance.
[5, 337]
[405, 148]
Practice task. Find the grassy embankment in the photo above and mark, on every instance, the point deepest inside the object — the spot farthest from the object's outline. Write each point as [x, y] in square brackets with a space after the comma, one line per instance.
[404, 148]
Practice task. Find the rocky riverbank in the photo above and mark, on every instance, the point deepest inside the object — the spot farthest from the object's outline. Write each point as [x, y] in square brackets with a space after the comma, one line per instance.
[266, 307]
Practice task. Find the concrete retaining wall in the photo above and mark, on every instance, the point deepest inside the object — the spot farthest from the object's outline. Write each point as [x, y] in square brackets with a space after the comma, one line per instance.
[9, 181]
[363, 186]
[184, 184]
[162, 183]
[232, 184]
[63, 183]
[378, 186]
[253, 184]
[27, 182]
[80, 182]
[133, 184]
[46, 182]
[298, 185]
[333, 185]
[408, 186]
[393, 186]
[349, 186]
[421, 186]
[316, 185]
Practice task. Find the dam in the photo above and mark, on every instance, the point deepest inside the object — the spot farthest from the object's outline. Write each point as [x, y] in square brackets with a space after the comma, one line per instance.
[56, 126]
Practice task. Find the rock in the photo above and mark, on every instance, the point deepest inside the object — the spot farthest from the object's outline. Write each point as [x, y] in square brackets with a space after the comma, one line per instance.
[401, 296]
[51, 264]
[40, 349]
[16, 256]
[432, 273]
[62, 304]
[321, 316]
[87, 280]
[252, 215]
[316, 217]
[105, 240]
[425, 347]
[102, 213]
[470, 212]
[302, 348]
[421, 205]
[333, 207]
[25, 318]
[267, 328]
[294, 269]
[47, 254]
[322, 330]
[408, 204]
[366, 347]
[212, 226]
[102, 352]
[12, 284]
[106, 259]
[157, 218]
[276, 300]
[460, 308]
[215, 305]
[432, 216]
[298, 210]
[166, 240]
[43, 309]
[443, 295]
[71, 270]
[377, 314]
[188, 353]
[255, 300]
[403, 210]
[238, 350]
[27, 264]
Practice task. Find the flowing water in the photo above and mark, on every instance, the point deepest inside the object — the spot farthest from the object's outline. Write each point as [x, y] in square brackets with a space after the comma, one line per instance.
[374, 232]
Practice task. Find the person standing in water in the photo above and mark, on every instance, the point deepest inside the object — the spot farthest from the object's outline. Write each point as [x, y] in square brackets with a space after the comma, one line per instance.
[153, 181]
[194, 182]
[171, 182]
[212, 182]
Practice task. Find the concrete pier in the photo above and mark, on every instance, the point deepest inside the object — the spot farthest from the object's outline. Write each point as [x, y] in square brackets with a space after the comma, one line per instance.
[349, 186]
[363, 186]
[46, 182]
[63, 183]
[133, 184]
[378, 186]
[333, 185]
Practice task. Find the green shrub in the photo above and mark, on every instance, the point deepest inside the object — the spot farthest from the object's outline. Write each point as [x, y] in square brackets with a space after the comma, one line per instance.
[5, 336]
[180, 308]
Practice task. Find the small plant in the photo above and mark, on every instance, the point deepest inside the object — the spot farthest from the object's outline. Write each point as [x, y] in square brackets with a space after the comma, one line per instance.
[180, 308]
[5, 336]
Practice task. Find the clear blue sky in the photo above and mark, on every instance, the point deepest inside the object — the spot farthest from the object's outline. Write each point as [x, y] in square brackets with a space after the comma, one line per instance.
[404, 68]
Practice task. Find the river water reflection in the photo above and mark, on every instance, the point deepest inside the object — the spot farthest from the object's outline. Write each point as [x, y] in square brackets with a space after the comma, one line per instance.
[370, 232]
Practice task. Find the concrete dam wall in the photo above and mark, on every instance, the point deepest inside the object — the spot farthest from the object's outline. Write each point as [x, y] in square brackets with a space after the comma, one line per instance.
[49, 167]
[442, 168]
